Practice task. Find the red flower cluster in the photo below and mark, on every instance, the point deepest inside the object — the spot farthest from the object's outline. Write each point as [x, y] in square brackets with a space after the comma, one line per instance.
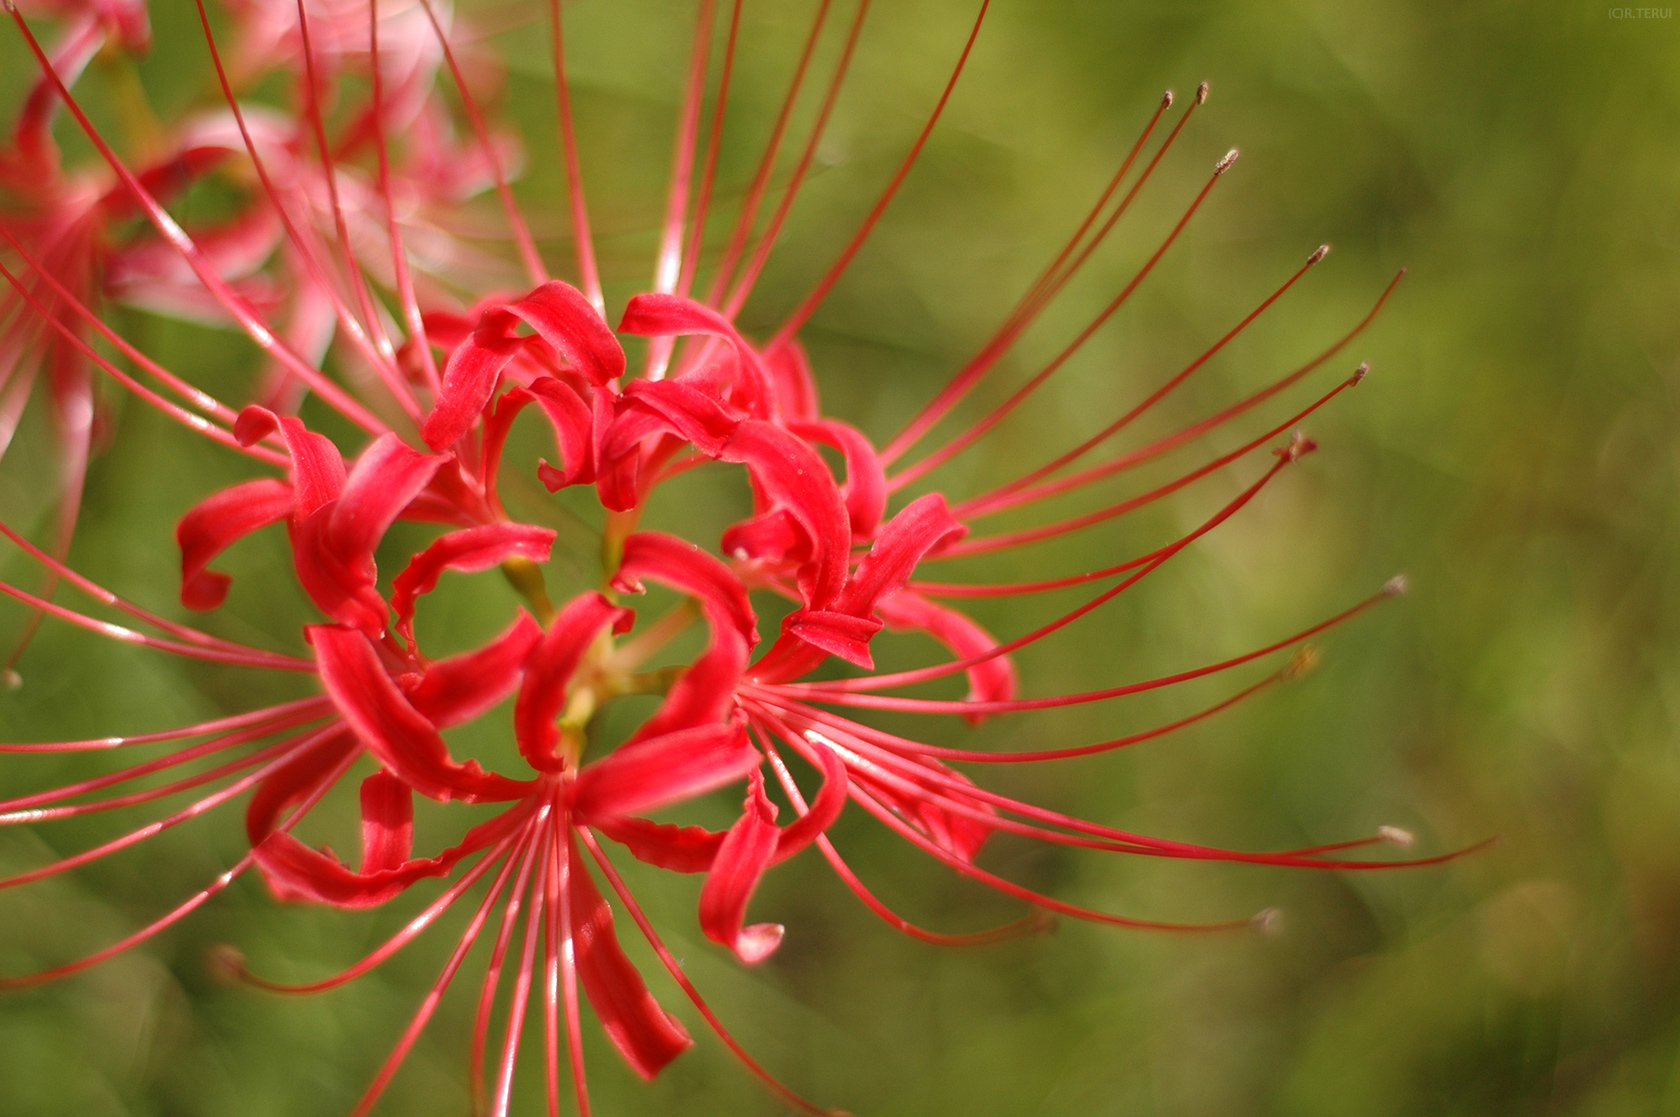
[446, 383]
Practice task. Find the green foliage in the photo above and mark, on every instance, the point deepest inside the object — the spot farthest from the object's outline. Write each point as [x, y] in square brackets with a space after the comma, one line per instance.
[1514, 451]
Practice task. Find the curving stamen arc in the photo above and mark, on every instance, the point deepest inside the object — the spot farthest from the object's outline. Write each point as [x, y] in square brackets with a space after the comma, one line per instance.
[1026, 488]
[802, 313]
[973, 434]
[528, 255]
[1044, 289]
[1028, 925]
[846, 692]
[675, 969]
[235, 303]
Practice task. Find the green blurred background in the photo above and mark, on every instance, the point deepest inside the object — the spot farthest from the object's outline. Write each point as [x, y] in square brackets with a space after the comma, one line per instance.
[1514, 452]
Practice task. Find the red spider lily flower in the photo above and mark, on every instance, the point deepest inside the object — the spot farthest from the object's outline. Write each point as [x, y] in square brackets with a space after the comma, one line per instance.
[385, 699]
[445, 386]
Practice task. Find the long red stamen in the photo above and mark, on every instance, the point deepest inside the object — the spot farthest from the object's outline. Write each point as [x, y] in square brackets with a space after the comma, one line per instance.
[564, 950]
[128, 635]
[413, 928]
[1033, 755]
[284, 716]
[761, 177]
[675, 969]
[199, 398]
[957, 445]
[29, 809]
[306, 248]
[528, 255]
[522, 983]
[105, 597]
[1007, 589]
[1031, 924]
[134, 837]
[399, 255]
[386, 365]
[714, 141]
[1043, 289]
[589, 278]
[1038, 899]
[844, 692]
[987, 543]
[669, 266]
[189, 419]
[423, 1014]
[235, 303]
[1024, 489]
[1107, 838]
[939, 670]
[767, 240]
[493, 972]
[805, 309]
[181, 912]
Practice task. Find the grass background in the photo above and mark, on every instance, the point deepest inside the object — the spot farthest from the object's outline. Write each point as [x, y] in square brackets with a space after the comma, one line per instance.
[1514, 452]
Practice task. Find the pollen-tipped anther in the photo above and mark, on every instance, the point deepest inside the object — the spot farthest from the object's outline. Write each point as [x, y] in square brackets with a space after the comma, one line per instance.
[1201, 92]
[1396, 836]
[1359, 373]
[1319, 253]
[1167, 99]
[1304, 662]
[1396, 586]
[1268, 921]
[1224, 164]
[1299, 446]
[11, 679]
[226, 963]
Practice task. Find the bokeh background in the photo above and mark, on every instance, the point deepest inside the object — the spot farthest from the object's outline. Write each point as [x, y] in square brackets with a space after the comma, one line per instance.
[1514, 452]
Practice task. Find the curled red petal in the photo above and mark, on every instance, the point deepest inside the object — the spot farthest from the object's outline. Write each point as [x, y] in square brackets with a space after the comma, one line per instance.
[773, 537]
[393, 730]
[573, 421]
[387, 476]
[387, 822]
[705, 693]
[923, 526]
[681, 849]
[825, 809]
[468, 550]
[656, 314]
[213, 524]
[676, 406]
[542, 694]
[683, 566]
[332, 547]
[463, 687]
[469, 379]
[746, 851]
[563, 317]
[788, 474]
[831, 631]
[991, 680]
[341, 586]
[646, 1035]
[317, 467]
[300, 775]
[296, 872]
[794, 383]
[865, 490]
[639, 778]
